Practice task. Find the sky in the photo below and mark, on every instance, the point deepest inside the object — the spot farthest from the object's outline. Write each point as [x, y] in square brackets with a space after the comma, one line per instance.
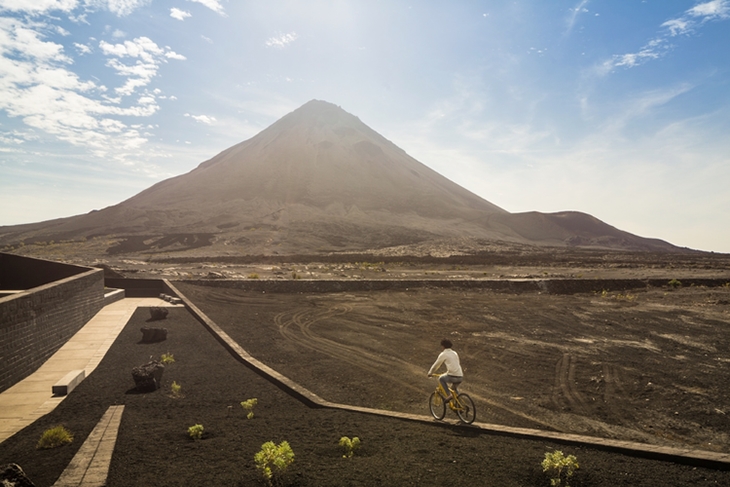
[618, 109]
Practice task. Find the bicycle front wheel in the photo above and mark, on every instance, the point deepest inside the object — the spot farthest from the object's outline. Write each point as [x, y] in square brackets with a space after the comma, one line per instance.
[437, 406]
[466, 411]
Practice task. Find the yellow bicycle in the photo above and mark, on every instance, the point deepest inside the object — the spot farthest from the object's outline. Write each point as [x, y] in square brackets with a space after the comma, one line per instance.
[463, 406]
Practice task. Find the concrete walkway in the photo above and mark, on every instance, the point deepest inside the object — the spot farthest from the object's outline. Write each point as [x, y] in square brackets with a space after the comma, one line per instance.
[90, 465]
[31, 398]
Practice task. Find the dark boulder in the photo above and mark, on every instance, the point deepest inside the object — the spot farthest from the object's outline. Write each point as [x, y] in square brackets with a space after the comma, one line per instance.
[12, 474]
[148, 377]
[158, 313]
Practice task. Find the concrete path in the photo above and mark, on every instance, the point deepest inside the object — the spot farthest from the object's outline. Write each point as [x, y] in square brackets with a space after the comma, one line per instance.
[31, 398]
[90, 465]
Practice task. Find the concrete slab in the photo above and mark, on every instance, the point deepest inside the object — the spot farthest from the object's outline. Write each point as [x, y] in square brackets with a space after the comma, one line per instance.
[90, 465]
[68, 382]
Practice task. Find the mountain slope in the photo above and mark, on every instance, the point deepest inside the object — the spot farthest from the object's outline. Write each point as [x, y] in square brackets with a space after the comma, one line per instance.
[317, 180]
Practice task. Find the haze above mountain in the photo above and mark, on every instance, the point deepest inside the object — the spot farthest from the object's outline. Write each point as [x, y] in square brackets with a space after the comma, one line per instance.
[317, 181]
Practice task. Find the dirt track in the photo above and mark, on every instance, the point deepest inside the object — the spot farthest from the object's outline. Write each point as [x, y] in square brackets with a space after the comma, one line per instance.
[648, 365]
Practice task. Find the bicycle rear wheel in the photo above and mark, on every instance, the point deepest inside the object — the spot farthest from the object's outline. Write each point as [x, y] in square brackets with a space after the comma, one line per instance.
[437, 406]
[467, 412]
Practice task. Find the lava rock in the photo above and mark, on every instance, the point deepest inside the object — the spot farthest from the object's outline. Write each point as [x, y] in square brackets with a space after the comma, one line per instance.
[148, 377]
[13, 475]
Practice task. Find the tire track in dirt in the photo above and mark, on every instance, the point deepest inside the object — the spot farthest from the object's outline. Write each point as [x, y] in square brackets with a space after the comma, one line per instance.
[613, 384]
[565, 390]
[297, 328]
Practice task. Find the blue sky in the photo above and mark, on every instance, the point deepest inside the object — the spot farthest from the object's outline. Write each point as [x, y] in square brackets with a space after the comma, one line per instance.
[620, 109]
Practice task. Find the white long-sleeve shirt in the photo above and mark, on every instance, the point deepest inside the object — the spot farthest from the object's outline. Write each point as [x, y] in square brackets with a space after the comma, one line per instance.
[451, 359]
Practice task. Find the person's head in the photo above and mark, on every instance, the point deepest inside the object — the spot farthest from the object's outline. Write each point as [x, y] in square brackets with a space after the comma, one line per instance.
[446, 343]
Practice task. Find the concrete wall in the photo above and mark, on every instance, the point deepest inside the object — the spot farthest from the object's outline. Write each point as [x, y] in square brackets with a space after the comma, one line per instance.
[552, 286]
[138, 288]
[17, 272]
[37, 321]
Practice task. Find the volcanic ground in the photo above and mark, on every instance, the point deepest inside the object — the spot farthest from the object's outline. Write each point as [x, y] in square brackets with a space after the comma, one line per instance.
[647, 365]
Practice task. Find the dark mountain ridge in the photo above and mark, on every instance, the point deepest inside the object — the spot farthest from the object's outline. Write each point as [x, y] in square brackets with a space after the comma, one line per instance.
[318, 180]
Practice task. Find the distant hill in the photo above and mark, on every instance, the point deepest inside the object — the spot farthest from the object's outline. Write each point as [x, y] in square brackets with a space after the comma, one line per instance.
[317, 180]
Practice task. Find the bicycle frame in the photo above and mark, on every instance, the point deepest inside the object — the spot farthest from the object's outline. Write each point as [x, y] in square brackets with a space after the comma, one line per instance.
[451, 394]
[460, 403]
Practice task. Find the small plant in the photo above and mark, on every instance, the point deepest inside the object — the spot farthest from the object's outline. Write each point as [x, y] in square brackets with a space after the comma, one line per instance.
[559, 467]
[350, 445]
[674, 283]
[627, 297]
[248, 405]
[175, 389]
[253, 275]
[271, 455]
[196, 431]
[167, 358]
[54, 437]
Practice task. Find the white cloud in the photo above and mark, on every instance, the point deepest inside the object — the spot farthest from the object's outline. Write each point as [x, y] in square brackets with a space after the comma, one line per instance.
[39, 87]
[657, 47]
[78, 19]
[178, 14]
[26, 41]
[82, 48]
[676, 26]
[713, 9]
[574, 12]
[148, 57]
[214, 5]
[202, 118]
[282, 40]
[125, 7]
[174, 55]
[38, 6]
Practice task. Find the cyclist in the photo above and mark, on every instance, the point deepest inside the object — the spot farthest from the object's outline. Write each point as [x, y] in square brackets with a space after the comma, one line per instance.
[453, 374]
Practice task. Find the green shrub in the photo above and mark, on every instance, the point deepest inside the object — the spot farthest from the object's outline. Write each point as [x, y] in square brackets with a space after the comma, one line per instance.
[196, 431]
[253, 275]
[167, 358]
[350, 445]
[271, 455]
[248, 405]
[175, 389]
[559, 467]
[675, 283]
[54, 437]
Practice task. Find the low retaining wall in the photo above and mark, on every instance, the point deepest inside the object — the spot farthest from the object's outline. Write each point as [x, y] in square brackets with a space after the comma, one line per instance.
[552, 286]
[35, 322]
[138, 288]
